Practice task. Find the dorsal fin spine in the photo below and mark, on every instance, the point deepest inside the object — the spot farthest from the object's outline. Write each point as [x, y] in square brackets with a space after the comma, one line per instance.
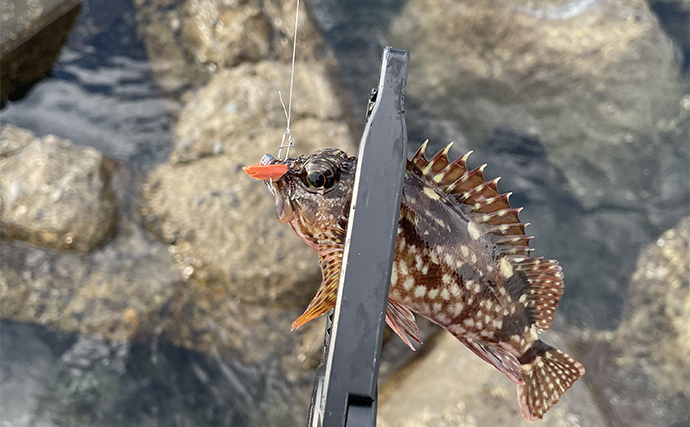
[468, 181]
[488, 209]
[503, 229]
[512, 250]
[479, 193]
[437, 164]
[498, 240]
[420, 152]
[492, 204]
[503, 216]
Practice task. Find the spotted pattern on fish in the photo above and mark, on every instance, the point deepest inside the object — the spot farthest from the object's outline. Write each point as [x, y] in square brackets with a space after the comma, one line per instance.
[462, 260]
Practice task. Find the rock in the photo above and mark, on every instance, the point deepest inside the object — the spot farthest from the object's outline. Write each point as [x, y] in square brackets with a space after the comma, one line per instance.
[14, 139]
[197, 38]
[226, 34]
[644, 363]
[30, 40]
[172, 61]
[240, 103]
[55, 194]
[223, 224]
[129, 292]
[450, 386]
[116, 291]
[599, 117]
[102, 92]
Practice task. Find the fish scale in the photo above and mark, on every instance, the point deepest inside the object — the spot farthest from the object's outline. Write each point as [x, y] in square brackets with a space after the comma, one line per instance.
[462, 260]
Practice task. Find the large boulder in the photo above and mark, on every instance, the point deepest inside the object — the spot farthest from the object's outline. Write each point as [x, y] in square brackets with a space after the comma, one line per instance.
[53, 193]
[31, 36]
[588, 92]
[597, 83]
[644, 362]
[450, 386]
[188, 41]
[116, 291]
[238, 104]
[223, 223]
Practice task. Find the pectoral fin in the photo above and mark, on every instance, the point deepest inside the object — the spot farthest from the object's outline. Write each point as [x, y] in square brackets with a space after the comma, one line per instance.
[324, 300]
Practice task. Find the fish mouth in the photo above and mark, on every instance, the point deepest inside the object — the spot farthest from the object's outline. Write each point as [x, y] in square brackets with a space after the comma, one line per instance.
[283, 207]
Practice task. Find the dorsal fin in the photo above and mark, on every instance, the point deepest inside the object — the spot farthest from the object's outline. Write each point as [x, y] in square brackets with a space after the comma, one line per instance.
[544, 288]
[480, 199]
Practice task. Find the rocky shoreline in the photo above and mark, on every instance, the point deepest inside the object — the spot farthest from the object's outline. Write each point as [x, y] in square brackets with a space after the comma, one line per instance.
[99, 262]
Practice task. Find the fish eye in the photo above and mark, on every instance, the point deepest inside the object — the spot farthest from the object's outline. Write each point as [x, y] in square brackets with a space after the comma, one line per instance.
[319, 175]
[316, 179]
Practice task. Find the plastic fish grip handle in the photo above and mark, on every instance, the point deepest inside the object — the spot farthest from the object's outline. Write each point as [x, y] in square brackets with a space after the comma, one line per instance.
[345, 389]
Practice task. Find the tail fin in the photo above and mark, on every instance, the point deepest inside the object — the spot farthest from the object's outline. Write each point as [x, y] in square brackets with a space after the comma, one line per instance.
[548, 373]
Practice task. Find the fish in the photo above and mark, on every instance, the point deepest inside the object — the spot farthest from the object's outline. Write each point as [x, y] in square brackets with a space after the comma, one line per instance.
[462, 260]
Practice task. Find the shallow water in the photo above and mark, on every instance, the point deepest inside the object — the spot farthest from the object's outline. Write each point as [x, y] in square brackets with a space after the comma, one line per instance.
[101, 92]
[50, 378]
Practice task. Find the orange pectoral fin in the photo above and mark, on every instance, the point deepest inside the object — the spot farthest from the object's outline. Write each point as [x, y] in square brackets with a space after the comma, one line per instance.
[266, 171]
[330, 261]
[318, 306]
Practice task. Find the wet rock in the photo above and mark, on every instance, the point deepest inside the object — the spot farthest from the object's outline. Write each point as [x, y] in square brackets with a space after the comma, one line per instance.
[55, 194]
[189, 41]
[226, 34]
[30, 40]
[13, 139]
[222, 224]
[644, 363]
[131, 292]
[595, 82]
[450, 386]
[116, 291]
[239, 104]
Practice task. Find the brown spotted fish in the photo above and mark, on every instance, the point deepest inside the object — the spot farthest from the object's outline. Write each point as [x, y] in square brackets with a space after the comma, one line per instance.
[462, 260]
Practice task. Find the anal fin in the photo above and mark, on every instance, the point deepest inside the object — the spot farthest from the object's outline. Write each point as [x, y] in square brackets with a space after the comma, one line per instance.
[499, 358]
[402, 322]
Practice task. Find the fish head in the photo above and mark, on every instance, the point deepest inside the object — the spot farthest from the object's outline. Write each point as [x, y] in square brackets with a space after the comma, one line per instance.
[312, 193]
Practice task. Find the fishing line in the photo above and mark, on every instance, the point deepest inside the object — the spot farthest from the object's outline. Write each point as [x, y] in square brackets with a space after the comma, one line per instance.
[287, 141]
